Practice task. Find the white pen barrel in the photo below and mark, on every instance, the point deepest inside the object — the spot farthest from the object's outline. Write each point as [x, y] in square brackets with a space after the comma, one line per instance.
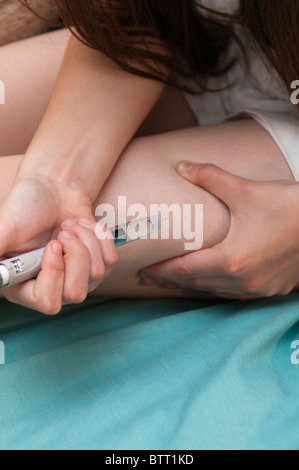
[27, 266]
[21, 268]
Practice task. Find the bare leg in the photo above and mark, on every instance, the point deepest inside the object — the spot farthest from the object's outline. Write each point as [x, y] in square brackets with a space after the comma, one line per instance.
[145, 174]
[28, 70]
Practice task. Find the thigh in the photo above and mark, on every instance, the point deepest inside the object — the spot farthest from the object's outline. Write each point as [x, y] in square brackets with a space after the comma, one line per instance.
[146, 174]
[28, 71]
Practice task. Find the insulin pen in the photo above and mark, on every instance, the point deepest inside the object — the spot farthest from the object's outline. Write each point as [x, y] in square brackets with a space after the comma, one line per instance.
[25, 267]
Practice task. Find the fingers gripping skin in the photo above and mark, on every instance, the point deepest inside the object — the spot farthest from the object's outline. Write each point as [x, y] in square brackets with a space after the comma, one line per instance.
[258, 258]
[146, 174]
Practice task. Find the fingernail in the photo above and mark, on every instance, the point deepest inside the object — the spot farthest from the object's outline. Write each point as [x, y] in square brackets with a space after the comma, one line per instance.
[68, 235]
[85, 222]
[184, 167]
[57, 248]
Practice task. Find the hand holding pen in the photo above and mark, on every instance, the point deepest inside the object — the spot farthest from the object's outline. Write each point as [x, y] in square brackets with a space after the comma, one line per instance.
[63, 270]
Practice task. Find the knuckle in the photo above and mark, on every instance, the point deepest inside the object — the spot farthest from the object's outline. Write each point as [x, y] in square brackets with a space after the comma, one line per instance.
[182, 269]
[258, 287]
[206, 172]
[244, 188]
[75, 246]
[286, 291]
[268, 293]
[81, 250]
[253, 287]
[76, 295]
[233, 265]
[112, 259]
[48, 306]
[97, 272]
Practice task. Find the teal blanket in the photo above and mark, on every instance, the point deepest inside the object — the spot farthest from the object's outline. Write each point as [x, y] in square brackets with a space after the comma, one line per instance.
[151, 374]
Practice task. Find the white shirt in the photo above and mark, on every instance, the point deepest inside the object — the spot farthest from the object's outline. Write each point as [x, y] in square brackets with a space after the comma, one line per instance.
[259, 94]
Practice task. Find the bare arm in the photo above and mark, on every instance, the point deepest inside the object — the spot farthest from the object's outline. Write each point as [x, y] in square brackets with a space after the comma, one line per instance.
[146, 175]
[94, 111]
[94, 106]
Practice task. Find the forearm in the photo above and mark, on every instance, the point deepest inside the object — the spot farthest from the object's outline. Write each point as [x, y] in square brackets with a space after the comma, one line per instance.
[94, 112]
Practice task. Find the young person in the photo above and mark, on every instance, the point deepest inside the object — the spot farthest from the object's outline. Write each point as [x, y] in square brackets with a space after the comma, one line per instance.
[76, 148]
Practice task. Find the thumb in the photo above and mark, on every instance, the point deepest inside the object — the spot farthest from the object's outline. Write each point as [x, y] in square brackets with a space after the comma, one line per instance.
[222, 184]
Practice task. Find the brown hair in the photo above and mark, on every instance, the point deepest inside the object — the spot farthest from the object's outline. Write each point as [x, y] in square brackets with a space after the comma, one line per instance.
[274, 25]
[178, 41]
[167, 40]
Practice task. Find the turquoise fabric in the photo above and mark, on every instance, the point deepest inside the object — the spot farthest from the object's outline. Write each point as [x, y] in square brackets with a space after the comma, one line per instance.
[151, 374]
